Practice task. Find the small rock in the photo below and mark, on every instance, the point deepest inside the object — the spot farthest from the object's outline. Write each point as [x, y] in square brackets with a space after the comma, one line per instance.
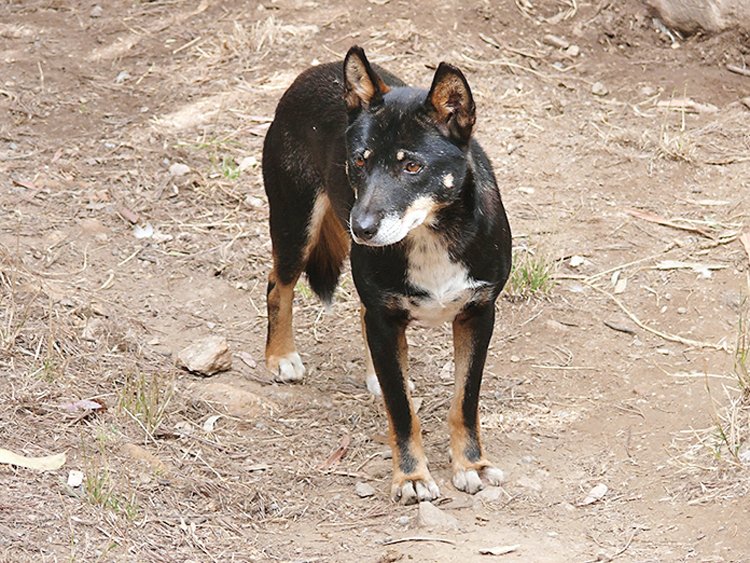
[95, 329]
[430, 516]
[599, 89]
[648, 91]
[207, 356]
[96, 12]
[555, 41]
[595, 494]
[233, 399]
[489, 494]
[178, 169]
[75, 478]
[122, 76]
[364, 490]
[248, 162]
[515, 359]
[531, 484]
[681, 310]
[573, 51]
[746, 102]
[252, 201]
[403, 521]
[576, 261]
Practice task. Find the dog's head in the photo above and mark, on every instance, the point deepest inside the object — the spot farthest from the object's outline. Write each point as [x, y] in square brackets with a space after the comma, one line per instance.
[407, 149]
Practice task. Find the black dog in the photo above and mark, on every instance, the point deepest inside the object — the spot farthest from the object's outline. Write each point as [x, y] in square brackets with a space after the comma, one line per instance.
[353, 153]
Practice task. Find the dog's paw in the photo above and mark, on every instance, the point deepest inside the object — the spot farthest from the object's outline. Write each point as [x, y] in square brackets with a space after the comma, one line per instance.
[373, 385]
[471, 480]
[287, 368]
[411, 491]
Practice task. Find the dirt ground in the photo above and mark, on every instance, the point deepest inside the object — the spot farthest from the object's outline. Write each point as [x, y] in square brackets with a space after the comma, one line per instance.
[625, 164]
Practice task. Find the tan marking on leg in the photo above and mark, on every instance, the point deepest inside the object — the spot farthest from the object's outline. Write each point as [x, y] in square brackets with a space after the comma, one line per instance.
[280, 338]
[459, 438]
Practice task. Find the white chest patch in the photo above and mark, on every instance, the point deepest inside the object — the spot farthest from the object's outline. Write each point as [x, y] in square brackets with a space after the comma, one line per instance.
[447, 282]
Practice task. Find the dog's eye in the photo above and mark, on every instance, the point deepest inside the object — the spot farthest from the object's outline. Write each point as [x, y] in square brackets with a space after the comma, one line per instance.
[412, 167]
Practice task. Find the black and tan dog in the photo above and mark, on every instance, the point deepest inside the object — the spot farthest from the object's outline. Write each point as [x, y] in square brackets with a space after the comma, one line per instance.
[354, 154]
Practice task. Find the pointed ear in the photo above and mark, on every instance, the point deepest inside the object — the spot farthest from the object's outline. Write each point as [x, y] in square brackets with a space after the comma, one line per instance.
[364, 88]
[451, 102]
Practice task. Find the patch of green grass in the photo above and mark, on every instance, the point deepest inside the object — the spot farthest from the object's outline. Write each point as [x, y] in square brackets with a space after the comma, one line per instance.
[304, 290]
[229, 168]
[100, 491]
[146, 398]
[532, 275]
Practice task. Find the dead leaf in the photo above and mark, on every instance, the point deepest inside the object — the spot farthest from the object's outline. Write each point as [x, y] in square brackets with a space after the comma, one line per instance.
[44, 463]
[210, 423]
[247, 359]
[85, 405]
[621, 285]
[337, 454]
[499, 550]
[596, 494]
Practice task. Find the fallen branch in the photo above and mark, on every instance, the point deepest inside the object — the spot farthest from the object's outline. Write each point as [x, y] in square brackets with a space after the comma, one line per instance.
[738, 70]
[653, 218]
[418, 538]
[659, 333]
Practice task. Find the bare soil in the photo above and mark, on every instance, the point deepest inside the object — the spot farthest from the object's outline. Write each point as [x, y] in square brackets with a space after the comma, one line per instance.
[98, 102]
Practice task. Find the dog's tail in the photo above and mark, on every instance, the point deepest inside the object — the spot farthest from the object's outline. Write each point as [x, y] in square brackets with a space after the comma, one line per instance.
[326, 257]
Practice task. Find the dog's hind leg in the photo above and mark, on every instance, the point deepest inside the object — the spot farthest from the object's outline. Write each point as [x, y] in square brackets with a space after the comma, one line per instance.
[471, 337]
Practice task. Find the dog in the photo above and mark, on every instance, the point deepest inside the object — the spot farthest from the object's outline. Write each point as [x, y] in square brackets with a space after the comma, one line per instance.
[358, 163]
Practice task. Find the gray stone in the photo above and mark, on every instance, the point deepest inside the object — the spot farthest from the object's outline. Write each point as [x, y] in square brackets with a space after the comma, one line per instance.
[430, 516]
[364, 490]
[489, 494]
[206, 356]
[178, 169]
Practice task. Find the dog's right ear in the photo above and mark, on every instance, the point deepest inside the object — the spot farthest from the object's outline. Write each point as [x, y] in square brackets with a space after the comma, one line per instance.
[364, 88]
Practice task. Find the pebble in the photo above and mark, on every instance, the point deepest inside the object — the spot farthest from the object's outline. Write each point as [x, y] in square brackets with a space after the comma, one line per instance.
[122, 76]
[489, 494]
[648, 91]
[178, 169]
[555, 41]
[573, 51]
[207, 356]
[599, 89]
[681, 310]
[430, 516]
[364, 490]
[403, 521]
[96, 11]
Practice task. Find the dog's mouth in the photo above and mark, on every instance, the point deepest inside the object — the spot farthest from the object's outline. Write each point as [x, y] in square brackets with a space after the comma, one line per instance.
[393, 229]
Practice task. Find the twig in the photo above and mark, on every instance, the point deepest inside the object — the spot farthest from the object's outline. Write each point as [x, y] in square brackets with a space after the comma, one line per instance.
[418, 538]
[664, 335]
[738, 70]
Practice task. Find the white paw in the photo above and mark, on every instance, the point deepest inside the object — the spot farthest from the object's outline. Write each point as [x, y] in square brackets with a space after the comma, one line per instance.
[373, 385]
[290, 369]
[469, 480]
[418, 490]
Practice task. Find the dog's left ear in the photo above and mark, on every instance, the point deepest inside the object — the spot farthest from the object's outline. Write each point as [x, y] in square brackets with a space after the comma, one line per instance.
[364, 88]
[451, 103]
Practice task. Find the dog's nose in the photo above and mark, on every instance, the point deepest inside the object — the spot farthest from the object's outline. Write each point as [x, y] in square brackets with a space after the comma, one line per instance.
[365, 226]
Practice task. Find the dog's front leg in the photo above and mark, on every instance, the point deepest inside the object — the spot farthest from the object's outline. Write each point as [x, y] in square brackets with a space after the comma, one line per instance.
[386, 336]
[472, 331]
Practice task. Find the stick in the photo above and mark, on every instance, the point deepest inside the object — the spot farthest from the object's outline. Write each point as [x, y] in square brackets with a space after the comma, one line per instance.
[738, 70]
[418, 538]
[664, 335]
